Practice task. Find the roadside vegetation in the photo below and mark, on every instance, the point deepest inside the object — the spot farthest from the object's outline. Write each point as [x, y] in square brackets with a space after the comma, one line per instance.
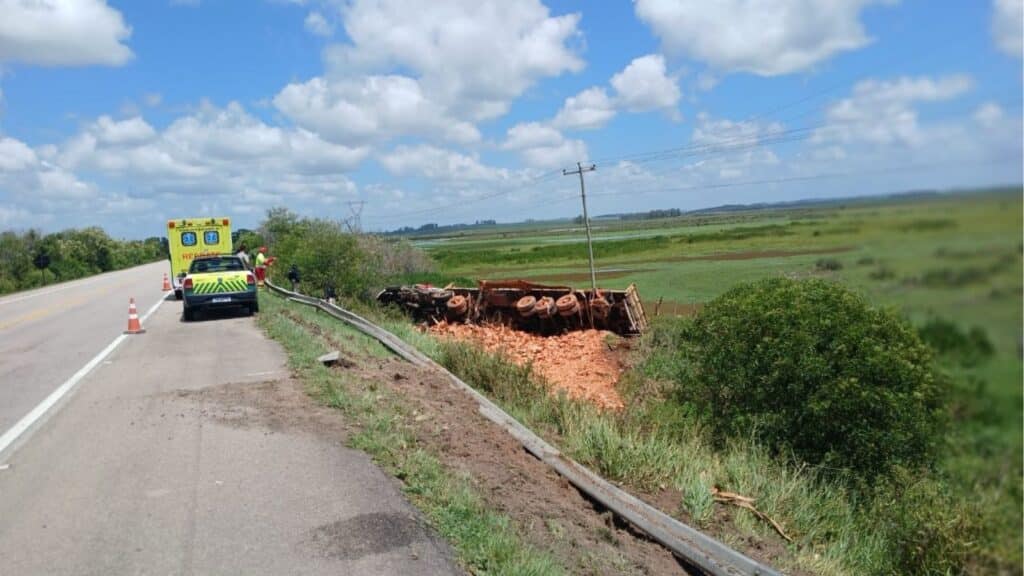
[485, 540]
[855, 370]
[32, 259]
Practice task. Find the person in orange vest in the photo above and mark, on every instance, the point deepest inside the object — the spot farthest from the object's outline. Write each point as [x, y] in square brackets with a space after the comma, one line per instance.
[261, 265]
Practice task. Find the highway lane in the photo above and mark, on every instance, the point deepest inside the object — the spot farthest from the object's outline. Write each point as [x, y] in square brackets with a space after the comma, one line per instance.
[47, 334]
[189, 450]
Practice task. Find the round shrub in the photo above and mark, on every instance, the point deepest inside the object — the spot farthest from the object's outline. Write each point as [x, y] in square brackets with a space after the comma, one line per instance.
[811, 370]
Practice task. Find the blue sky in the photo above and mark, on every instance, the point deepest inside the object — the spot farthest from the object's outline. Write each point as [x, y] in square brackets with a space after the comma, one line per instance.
[125, 114]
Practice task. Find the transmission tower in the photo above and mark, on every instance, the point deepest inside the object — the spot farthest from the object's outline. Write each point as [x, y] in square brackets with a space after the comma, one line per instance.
[354, 221]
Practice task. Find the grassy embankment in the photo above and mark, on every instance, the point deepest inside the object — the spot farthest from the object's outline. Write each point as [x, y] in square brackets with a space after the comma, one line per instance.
[485, 540]
[956, 258]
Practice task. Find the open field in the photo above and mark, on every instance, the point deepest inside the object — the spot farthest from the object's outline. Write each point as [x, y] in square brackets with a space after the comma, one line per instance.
[953, 257]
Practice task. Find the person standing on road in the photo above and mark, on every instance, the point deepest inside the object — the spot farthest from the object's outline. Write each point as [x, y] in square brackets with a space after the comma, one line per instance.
[243, 255]
[261, 265]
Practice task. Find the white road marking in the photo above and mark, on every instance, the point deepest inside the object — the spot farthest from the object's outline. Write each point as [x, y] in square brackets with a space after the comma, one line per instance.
[50, 401]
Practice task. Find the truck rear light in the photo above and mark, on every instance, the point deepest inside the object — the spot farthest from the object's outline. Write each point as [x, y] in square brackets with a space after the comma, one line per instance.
[250, 279]
[187, 284]
[224, 222]
[170, 224]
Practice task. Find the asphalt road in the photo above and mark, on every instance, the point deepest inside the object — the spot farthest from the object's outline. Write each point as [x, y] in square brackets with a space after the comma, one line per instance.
[47, 334]
[187, 450]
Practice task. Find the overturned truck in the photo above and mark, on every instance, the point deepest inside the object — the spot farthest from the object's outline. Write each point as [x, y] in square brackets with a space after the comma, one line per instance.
[523, 305]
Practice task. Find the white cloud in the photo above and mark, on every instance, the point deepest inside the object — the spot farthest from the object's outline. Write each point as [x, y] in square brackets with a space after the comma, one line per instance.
[591, 108]
[29, 183]
[62, 33]
[882, 112]
[731, 148]
[438, 164]
[531, 135]
[152, 99]
[541, 146]
[231, 159]
[131, 131]
[989, 114]
[368, 109]
[1008, 26]
[644, 85]
[474, 56]
[15, 155]
[317, 24]
[721, 132]
[765, 37]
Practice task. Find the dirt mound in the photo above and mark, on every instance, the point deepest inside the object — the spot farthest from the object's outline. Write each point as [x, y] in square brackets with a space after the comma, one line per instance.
[581, 362]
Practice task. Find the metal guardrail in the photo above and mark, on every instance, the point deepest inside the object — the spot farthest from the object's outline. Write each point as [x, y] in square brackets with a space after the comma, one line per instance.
[690, 545]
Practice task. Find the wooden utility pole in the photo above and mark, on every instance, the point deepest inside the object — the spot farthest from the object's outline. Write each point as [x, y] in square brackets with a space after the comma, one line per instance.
[586, 221]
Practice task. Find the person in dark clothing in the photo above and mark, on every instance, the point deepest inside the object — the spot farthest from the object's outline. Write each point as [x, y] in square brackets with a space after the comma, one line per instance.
[329, 293]
[294, 278]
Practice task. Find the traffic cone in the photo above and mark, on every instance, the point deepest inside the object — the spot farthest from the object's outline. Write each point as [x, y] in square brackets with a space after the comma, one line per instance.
[134, 327]
[167, 283]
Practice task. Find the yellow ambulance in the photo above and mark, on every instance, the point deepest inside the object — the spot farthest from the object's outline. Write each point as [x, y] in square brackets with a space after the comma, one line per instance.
[190, 238]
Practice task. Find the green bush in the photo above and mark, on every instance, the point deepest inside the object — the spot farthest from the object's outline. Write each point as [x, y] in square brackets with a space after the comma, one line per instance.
[928, 529]
[324, 254]
[328, 255]
[811, 370]
[828, 264]
[968, 348]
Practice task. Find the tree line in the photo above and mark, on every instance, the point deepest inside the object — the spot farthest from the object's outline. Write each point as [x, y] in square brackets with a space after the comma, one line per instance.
[31, 259]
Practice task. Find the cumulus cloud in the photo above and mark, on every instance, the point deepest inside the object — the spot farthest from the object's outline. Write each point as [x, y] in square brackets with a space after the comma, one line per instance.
[15, 155]
[531, 135]
[30, 184]
[591, 108]
[732, 148]
[370, 108]
[989, 114]
[471, 55]
[224, 155]
[131, 131]
[62, 33]
[644, 85]
[768, 38]
[318, 25]
[542, 146]
[438, 164]
[1008, 26]
[883, 111]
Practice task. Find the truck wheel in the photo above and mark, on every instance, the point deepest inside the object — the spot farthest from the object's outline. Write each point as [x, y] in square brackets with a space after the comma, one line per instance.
[253, 308]
[188, 314]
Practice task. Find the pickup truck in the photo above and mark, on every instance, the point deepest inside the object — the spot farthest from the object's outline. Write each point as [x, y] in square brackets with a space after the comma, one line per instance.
[218, 282]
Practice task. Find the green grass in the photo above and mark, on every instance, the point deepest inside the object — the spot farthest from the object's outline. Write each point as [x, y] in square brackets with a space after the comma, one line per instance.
[956, 258]
[485, 540]
[648, 447]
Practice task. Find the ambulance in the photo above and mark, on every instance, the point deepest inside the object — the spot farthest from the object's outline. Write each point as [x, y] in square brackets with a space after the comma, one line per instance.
[190, 238]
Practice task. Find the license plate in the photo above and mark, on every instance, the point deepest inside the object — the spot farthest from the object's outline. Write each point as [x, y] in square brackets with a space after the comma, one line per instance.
[221, 300]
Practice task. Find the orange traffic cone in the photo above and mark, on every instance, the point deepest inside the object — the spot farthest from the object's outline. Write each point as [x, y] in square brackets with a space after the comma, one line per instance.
[134, 327]
[167, 283]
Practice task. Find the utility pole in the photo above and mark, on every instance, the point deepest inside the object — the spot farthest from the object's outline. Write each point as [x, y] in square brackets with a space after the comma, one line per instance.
[586, 221]
[354, 222]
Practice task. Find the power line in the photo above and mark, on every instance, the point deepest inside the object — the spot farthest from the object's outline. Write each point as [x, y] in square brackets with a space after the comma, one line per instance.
[821, 176]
